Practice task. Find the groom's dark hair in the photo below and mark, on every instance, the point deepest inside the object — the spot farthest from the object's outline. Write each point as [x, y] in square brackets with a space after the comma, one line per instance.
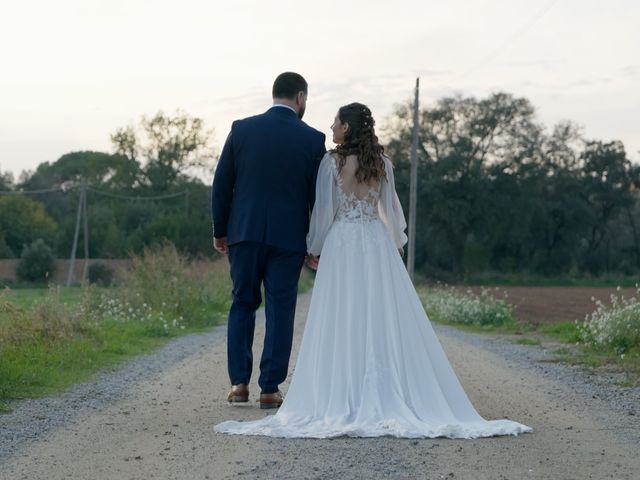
[288, 84]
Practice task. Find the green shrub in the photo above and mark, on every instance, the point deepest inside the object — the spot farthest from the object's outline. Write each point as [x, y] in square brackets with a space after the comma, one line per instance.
[167, 286]
[36, 262]
[100, 274]
[615, 327]
[450, 306]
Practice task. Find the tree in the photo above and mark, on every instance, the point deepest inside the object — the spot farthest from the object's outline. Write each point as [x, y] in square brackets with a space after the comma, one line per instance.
[632, 213]
[461, 138]
[6, 181]
[126, 143]
[99, 169]
[560, 210]
[606, 179]
[5, 251]
[171, 147]
[23, 220]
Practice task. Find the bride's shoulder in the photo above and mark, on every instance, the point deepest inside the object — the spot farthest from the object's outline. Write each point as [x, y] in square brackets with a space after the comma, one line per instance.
[387, 161]
[332, 155]
[327, 165]
[330, 158]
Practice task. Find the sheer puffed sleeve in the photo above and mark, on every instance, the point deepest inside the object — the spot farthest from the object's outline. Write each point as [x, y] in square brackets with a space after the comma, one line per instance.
[325, 207]
[390, 209]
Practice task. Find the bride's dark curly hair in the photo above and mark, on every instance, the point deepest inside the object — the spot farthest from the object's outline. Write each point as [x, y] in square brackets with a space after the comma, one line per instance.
[360, 140]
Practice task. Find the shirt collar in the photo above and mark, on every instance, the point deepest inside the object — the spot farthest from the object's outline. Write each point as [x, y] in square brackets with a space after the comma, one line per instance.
[285, 106]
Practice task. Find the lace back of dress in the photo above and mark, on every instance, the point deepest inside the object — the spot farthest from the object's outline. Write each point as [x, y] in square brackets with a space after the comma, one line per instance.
[358, 202]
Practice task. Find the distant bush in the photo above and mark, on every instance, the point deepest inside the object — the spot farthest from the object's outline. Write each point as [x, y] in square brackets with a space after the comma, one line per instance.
[450, 306]
[615, 327]
[100, 274]
[36, 262]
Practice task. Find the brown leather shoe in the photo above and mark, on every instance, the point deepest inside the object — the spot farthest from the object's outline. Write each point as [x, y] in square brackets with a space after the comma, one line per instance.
[271, 400]
[238, 394]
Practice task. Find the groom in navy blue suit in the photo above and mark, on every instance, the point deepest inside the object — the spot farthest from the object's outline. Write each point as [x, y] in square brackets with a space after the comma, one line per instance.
[262, 196]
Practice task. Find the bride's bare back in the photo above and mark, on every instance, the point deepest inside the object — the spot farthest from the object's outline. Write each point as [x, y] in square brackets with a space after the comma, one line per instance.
[349, 183]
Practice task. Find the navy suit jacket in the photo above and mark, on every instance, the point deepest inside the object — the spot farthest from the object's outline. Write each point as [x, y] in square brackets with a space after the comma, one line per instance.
[264, 183]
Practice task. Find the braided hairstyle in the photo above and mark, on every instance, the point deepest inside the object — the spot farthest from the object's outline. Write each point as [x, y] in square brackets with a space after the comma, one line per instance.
[360, 140]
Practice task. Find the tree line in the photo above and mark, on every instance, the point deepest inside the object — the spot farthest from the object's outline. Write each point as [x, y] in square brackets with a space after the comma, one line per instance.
[157, 157]
[497, 192]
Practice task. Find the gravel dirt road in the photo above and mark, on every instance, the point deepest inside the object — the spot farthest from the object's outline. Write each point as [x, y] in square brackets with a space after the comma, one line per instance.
[153, 419]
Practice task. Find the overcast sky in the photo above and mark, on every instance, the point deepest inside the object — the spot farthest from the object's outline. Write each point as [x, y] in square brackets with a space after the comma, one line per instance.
[72, 72]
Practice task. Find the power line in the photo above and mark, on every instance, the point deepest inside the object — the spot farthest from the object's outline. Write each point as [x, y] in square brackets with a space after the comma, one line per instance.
[137, 197]
[34, 192]
[508, 41]
[94, 190]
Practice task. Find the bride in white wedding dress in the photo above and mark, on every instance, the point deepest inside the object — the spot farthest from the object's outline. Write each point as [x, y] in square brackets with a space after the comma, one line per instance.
[370, 363]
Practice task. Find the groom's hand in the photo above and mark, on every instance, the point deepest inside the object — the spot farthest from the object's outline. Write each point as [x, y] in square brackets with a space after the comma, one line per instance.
[220, 244]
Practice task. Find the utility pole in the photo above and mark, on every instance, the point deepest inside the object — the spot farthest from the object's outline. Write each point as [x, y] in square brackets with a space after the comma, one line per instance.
[86, 231]
[72, 260]
[413, 189]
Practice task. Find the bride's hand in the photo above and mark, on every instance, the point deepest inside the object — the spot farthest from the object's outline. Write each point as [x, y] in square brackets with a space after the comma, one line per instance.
[313, 261]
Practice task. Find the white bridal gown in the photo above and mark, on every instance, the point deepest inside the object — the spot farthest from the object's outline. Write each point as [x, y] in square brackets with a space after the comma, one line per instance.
[370, 363]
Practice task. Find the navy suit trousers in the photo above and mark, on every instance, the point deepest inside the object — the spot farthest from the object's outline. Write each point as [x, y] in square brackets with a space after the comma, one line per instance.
[253, 264]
